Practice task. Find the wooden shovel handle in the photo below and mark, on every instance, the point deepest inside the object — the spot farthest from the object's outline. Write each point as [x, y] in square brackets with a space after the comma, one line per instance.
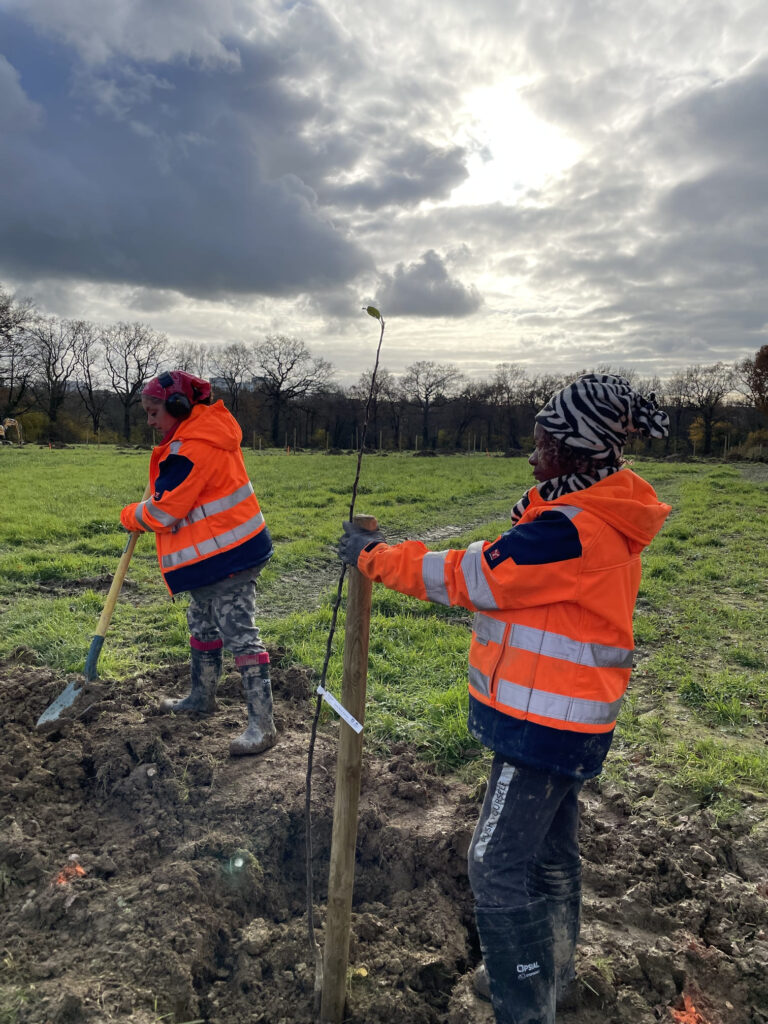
[117, 579]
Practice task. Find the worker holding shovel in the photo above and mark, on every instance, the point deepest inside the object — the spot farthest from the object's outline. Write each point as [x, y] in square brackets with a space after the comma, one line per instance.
[211, 541]
[549, 663]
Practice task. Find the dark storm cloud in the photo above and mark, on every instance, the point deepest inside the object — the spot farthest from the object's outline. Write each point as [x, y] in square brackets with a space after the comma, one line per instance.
[172, 176]
[724, 121]
[142, 29]
[426, 289]
[404, 178]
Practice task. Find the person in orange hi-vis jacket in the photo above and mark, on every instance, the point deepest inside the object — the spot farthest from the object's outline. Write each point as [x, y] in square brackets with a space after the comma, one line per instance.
[549, 662]
[212, 541]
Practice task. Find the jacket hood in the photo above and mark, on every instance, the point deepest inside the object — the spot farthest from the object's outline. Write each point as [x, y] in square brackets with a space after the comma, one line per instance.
[623, 500]
[213, 424]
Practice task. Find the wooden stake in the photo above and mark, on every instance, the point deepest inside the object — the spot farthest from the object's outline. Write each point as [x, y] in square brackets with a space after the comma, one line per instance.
[348, 769]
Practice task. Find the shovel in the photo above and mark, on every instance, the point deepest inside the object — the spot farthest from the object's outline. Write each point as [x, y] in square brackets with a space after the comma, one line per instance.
[70, 693]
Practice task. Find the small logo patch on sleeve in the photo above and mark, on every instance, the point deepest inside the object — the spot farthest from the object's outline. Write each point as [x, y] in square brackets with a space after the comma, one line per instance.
[496, 553]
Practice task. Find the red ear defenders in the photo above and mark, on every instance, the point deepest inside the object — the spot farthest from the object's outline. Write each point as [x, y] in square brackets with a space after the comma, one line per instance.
[177, 404]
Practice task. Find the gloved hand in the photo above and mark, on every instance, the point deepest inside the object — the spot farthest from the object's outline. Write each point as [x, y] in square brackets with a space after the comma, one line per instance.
[128, 519]
[125, 521]
[355, 540]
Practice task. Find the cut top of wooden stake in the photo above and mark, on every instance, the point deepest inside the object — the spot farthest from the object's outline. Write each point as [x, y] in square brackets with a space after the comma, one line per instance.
[365, 521]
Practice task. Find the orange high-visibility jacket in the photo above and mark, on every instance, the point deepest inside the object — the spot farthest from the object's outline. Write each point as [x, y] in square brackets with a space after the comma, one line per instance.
[554, 597]
[203, 509]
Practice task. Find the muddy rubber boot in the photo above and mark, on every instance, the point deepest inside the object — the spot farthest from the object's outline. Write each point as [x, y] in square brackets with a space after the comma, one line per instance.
[561, 888]
[260, 733]
[518, 951]
[204, 675]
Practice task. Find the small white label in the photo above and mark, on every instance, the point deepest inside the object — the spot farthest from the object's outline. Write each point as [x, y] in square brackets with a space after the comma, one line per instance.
[340, 710]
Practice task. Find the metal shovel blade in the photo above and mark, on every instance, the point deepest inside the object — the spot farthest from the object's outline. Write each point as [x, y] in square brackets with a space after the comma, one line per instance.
[74, 687]
[66, 699]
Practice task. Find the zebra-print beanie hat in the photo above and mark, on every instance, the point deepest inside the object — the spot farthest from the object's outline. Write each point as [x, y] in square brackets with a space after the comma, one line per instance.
[596, 413]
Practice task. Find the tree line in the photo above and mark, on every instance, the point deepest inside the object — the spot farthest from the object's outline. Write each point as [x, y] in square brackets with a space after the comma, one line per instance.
[70, 381]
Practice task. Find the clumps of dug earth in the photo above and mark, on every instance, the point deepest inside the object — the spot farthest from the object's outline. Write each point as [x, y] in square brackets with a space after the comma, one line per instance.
[146, 876]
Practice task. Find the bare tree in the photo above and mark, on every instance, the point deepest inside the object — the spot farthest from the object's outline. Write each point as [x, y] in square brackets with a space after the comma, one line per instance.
[232, 365]
[472, 405]
[287, 371]
[706, 387]
[543, 386]
[16, 364]
[54, 346]
[673, 395]
[630, 375]
[91, 380]
[426, 383]
[508, 391]
[752, 379]
[361, 391]
[132, 354]
[15, 314]
[192, 357]
[648, 386]
[394, 400]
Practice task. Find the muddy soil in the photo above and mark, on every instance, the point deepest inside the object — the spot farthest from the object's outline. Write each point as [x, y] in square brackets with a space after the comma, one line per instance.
[145, 877]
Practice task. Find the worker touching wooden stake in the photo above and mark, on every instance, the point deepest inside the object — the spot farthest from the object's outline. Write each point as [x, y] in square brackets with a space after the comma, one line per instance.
[549, 663]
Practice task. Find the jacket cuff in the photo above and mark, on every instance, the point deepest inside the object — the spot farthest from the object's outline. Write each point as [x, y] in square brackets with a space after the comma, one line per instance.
[128, 519]
[365, 556]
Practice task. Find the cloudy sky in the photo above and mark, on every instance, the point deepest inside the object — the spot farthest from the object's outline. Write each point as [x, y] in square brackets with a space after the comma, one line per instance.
[558, 183]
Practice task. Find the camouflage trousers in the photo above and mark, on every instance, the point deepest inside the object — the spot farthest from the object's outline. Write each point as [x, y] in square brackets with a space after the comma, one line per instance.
[225, 611]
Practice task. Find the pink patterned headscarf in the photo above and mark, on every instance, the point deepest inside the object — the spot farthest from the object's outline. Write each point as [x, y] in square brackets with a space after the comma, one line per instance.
[178, 382]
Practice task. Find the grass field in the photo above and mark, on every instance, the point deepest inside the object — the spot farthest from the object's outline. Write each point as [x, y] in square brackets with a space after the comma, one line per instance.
[697, 710]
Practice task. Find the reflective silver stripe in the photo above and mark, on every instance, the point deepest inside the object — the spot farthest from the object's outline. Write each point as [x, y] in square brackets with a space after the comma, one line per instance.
[159, 514]
[207, 547]
[477, 586]
[433, 575]
[567, 510]
[175, 447]
[556, 705]
[223, 540]
[498, 800]
[211, 508]
[555, 645]
[139, 515]
[480, 681]
[488, 629]
[179, 557]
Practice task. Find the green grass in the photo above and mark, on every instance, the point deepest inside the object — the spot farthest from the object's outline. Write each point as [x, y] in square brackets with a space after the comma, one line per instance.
[698, 703]
[718, 774]
[417, 691]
